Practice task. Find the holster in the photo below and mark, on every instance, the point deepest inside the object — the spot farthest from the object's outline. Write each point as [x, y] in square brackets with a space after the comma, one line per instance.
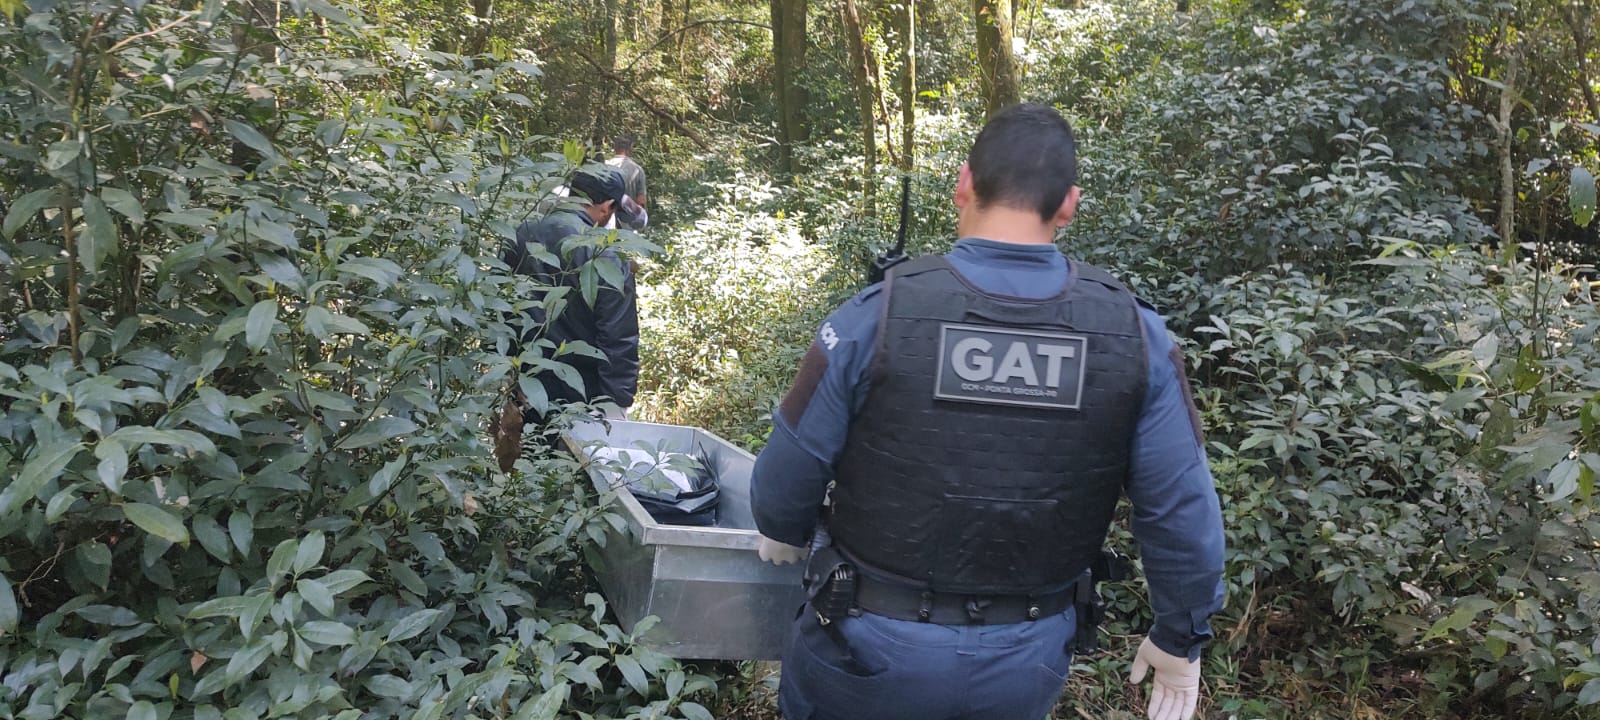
[830, 584]
[1091, 608]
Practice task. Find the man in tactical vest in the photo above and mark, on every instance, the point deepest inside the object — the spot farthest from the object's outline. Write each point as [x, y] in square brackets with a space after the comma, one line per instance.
[978, 415]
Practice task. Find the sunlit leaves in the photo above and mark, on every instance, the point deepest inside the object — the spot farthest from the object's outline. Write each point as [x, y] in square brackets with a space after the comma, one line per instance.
[157, 521]
[1581, 196]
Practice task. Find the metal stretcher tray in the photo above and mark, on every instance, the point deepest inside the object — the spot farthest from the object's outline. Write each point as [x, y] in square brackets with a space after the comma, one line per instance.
[715, 598]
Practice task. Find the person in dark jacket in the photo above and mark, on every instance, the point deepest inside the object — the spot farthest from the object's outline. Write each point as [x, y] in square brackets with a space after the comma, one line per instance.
[611, 324]
[972, 422]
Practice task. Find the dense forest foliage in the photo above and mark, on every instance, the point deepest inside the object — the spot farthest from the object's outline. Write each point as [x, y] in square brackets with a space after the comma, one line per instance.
[252, 327]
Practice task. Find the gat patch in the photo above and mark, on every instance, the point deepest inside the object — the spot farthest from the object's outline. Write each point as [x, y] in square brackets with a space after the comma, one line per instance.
[1010, 367]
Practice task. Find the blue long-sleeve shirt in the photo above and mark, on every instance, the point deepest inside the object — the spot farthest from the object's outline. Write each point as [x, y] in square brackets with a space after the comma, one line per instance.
[1177, 519]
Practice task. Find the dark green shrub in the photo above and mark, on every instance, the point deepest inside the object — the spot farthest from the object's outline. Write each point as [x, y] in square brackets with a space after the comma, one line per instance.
[252, 327]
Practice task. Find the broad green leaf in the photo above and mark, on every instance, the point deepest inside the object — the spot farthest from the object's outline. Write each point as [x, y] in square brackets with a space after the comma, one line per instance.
[124, 203]
[316, 595]
[384, 477]
[331, 12]
[46, 464]
[211, 537]
[231, 606]
[634, 674]
[1590, 694]
[8, 607]
[547, 706]
[378, 430]
[1485, 349]
[157, 522]
[258, 326]
[413, 625]
[330, 131]
[316, 321]
[242, 530]
[250, 136]
[99, 237]
[25, 208]
[389, 686]
[1563, 480]
[310, 552]
[282, 559]
[408, 578]
[1582, 196]
[113, 464]
[62, 154]
[382, 271]
[341, 581]
[108, 615]
[247, 660]
[1466, 609]
[327, 633]
[253, 613]
[94, 558]
[695, 711]
[136, 435]
[142, 710]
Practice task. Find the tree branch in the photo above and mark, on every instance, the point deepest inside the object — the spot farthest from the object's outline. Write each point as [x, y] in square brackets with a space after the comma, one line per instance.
[715, 21]
[657, 111]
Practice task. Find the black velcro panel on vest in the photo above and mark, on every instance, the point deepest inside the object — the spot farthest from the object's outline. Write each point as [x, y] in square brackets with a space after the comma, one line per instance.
[961, 473]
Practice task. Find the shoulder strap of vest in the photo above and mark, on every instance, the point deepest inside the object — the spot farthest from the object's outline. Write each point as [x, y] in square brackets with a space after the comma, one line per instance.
[1098, 276]
[915, 266]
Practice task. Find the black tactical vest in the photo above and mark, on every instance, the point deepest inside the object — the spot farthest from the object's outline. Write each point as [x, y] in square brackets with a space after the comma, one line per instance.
[995, 438]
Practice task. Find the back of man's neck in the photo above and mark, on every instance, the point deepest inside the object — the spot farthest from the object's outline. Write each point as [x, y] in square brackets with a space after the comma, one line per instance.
[1007, 225]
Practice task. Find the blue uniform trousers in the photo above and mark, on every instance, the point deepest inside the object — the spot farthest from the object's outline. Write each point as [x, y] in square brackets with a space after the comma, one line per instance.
[882, 669]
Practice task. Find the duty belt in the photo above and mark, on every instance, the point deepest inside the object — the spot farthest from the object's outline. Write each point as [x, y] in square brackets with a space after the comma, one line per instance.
[943, 608]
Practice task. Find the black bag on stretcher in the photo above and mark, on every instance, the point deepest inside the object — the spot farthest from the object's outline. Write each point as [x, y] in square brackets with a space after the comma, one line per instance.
[675, 488]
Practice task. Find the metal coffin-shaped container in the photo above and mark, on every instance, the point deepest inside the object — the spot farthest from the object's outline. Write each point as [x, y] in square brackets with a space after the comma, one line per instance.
[715, 598]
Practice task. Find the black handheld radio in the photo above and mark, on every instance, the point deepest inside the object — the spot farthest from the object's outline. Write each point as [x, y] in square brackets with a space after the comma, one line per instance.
[896, 255]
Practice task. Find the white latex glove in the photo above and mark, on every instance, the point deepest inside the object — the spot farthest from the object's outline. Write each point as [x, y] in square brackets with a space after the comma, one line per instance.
[778, 553]
[1176, 687]
[616, 413]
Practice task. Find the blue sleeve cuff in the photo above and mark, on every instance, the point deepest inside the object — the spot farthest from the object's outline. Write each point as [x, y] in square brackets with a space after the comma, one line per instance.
[1182, 635]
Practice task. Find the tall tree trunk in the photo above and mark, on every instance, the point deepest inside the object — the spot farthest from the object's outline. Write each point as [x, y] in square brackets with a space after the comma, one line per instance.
[483, 10]
[1507, 134]
[997, 70]
[789, 61]
[908, 89]
[1580, 27]
[855, 39]
[609, 30]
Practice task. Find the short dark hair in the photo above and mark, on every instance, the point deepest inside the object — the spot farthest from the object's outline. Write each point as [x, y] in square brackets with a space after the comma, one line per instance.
[623, 143]
[1024, 158]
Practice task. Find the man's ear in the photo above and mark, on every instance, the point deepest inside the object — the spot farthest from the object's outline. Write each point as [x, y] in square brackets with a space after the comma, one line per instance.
[964, 194]
[1069, 207]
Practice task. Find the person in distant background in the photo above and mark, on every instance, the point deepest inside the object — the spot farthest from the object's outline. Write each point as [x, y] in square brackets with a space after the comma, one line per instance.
[632, 176]
[611, 325]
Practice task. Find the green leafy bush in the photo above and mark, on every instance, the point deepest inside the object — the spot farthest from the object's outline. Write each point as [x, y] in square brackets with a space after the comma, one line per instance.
[252, 329]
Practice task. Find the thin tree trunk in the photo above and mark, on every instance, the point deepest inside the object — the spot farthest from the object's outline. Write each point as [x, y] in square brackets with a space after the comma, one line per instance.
[482, 10]
[1502, 127]
[609, 28]
[996, 68]
[908, 89]
[855, 40]
[1580, 28]
[789, 60]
